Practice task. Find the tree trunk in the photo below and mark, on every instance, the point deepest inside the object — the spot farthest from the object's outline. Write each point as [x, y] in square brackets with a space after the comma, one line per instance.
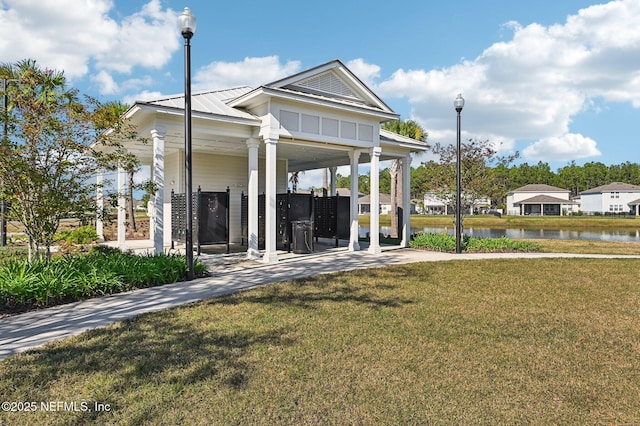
[132, 216]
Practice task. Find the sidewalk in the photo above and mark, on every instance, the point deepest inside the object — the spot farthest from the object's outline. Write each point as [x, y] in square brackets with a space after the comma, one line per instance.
[21, 332]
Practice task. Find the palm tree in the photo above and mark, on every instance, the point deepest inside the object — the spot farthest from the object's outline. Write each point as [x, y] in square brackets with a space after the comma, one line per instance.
[411, 129]
[295, 179]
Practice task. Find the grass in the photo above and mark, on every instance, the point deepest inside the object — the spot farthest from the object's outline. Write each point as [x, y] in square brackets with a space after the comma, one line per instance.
[522, 222]
[537, 341]
[587, 246]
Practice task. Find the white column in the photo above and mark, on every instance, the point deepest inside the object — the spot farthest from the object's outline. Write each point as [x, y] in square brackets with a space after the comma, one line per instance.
[406, 201]
[334, 181]
[270, 232]
[252, 196]
[100, 205]
[374, 188]
[354, 245]
[157, 215]
[122, 207]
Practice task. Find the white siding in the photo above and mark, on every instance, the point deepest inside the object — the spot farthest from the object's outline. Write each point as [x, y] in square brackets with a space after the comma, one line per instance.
[214, 173]
[608, 202]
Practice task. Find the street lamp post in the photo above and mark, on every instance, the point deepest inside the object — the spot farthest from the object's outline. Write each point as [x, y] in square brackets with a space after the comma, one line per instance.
[188, 28]
[458, 103]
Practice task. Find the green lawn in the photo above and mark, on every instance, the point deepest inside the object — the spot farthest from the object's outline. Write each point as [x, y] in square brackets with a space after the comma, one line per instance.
[544, 341]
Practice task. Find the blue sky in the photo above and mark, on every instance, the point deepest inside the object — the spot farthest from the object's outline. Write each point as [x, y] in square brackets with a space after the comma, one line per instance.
[558, 81]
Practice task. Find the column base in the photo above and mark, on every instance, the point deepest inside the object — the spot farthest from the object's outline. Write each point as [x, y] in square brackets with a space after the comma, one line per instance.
[374, 249]
[270, 258]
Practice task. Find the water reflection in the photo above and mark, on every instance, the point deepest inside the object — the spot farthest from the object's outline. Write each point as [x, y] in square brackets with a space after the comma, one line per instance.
[599, 235]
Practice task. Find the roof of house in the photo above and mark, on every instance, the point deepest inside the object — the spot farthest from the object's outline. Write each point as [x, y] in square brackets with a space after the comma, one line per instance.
[346, 192]
[634, 203]
[613, 187]
[539, 187]
[545, 199]
[384, 199]
[210, 102]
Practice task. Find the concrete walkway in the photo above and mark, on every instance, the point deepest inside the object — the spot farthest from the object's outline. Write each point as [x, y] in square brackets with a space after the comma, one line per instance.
[21, 332]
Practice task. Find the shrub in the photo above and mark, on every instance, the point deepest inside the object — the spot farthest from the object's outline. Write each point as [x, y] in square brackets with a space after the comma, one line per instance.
[102, 271]
[8, 254]
[446, 242]
[437, 242]
[501, 244]
[82, 235]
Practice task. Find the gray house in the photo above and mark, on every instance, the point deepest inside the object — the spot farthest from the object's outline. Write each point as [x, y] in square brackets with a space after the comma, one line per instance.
[613, 198]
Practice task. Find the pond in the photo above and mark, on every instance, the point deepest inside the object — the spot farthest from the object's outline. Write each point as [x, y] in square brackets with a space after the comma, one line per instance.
[574, 234]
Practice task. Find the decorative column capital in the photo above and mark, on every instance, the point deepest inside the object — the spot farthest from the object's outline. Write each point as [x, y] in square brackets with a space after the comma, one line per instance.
[159, 132]
[253, 143]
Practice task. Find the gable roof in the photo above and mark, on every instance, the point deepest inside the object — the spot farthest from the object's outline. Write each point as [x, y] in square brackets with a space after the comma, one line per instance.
[613, 187]
[545, 199]
[539, 187]
[330, 83]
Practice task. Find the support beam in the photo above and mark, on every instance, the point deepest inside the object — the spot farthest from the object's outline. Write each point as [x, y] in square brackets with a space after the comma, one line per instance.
[354, 245]
[406, 201]
[334, 180]
[252, 196]
[157, 211]
[270, 237]
[100, 205]
[374, 188]
[122, 207]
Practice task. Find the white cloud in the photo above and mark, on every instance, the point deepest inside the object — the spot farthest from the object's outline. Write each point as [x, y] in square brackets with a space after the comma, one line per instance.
[145, 95]
[562, 148]
[249, 72]
[530, 87]
[368, 73]
[106, 83]
[70, 35]
[147, 38]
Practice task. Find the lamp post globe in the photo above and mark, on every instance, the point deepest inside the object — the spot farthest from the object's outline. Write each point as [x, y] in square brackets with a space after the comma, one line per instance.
[188, 27]
[187, 23]
[458, 104]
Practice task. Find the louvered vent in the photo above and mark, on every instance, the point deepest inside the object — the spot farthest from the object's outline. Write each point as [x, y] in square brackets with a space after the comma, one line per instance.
[328, 83]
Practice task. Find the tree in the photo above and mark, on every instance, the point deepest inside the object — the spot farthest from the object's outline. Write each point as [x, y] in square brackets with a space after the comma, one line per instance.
[412, 130]
[53, 149]
[477, 176]
[343, 181]
[111, 112]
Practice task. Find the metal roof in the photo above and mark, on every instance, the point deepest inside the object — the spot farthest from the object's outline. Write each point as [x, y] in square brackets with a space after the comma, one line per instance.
[212, 102]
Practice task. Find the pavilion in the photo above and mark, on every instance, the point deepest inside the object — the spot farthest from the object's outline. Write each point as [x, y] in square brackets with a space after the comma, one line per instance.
[250, 139]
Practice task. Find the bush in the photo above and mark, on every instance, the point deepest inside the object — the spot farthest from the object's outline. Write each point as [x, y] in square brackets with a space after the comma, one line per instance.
[437, 242]
[81, 235]
[501, 244]
[102, 271]
[8, 254]
[447, 243]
